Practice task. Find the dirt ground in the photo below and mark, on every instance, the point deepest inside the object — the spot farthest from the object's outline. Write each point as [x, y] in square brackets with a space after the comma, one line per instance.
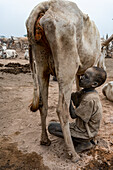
[20, 129]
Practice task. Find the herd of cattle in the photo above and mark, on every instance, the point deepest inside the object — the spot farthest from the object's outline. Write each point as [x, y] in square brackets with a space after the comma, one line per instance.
[10, 46]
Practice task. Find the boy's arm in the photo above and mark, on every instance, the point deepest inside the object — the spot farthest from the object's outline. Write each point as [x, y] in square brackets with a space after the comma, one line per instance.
[76, 98]
[88, 130]
[72, 111]
[84, 111]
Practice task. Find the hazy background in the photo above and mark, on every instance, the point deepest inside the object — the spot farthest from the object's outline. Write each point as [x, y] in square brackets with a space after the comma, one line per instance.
[13, 14]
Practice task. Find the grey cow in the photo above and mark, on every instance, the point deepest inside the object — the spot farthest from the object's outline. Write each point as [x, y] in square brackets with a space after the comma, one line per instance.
[63, 42]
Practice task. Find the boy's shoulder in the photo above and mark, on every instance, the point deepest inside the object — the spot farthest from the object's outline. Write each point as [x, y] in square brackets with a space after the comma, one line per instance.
[91, 95]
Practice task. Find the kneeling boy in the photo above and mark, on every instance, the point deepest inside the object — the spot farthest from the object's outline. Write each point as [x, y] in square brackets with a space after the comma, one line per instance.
[87, 110]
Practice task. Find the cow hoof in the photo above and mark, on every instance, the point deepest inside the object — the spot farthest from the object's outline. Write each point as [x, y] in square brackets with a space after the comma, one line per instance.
[47, 143]
[69, 154]
[75, 159]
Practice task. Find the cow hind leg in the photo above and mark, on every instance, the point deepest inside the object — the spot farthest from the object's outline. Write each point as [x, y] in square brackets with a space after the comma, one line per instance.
[63, 114]
[43, 91]
[67, 62]
[41, 82]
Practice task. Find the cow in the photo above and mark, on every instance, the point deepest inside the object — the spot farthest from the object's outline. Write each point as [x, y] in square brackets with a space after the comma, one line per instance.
[26, 54]
[23, 41]
[1, 53]
[10, 42]
[101, 62]
[107, 90]
[63, 42]
[4, 47]
[10, 53]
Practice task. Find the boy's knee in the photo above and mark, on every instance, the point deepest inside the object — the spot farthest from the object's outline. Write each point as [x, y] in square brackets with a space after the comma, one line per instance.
[51, 127]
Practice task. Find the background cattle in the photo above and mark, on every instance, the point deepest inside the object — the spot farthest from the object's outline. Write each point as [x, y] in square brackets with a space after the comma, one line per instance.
[101, 62]
[107, 90]
[23, 42]
[26, 54]
[10, 53]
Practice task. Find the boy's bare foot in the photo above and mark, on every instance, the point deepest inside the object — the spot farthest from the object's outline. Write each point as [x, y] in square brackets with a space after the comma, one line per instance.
[83, 146]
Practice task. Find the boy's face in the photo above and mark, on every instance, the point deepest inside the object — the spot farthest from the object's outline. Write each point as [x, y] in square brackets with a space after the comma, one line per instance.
[87, 80]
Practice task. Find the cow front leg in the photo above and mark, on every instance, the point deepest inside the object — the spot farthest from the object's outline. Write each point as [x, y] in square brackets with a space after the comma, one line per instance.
[43, 91]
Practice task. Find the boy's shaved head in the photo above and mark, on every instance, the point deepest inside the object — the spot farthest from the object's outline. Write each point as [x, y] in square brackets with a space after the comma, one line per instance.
[99, 74]
[93, 77]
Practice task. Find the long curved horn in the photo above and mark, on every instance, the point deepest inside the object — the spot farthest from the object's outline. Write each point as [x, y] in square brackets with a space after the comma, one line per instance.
[106, 42]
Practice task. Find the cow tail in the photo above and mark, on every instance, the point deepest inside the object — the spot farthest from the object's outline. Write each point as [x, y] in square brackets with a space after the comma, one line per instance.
[34, 106]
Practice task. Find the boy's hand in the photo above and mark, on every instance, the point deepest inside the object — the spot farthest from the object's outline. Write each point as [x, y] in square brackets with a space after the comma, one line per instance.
[72, 111]
[74, 98]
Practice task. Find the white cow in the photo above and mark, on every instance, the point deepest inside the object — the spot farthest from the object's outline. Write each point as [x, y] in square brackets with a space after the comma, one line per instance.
[101, 62]
[4, 47]
[63, 42]
[10, 53]
[1, 53]
[107, 90]
[26, 54]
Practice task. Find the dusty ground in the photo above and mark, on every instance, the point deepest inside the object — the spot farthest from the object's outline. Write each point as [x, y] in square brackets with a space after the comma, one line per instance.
[20, 129]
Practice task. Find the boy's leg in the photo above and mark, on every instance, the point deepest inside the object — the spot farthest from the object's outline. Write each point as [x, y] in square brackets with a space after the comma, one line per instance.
[55, 129]
[82, 144]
